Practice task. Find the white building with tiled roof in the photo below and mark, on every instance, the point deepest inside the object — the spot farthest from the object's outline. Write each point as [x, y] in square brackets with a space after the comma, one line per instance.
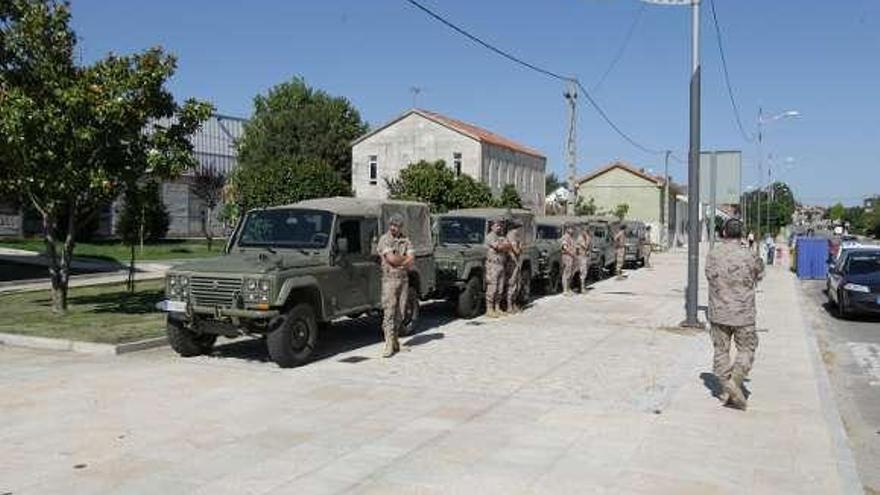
[467, 149]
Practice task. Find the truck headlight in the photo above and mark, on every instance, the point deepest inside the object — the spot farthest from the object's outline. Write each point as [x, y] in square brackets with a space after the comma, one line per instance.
[857, 288]
[257, 290]
[177, 286]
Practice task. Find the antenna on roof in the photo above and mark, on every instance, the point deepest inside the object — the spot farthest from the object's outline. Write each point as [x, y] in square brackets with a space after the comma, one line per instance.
[415, 90]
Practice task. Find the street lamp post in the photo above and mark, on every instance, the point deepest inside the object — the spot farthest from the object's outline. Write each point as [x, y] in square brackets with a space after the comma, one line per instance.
[761, 121]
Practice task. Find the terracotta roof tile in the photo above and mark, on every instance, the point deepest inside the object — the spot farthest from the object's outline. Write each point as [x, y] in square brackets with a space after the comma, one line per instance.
[478, 133]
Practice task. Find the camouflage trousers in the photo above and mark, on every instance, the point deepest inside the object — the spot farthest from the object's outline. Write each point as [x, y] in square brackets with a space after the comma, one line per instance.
[619, 257]
[646, 255]
[513, 272]
[394, 293]
[584, 269]
[567, 272]
[494, 285]
[746, 339]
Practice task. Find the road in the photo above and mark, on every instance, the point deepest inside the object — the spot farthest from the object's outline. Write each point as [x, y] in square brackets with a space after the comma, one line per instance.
[851, 352]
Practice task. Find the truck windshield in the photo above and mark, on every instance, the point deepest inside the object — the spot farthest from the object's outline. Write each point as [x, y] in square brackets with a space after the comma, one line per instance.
[462, 230]
[286, 228]
[632, 234]
[549, 232]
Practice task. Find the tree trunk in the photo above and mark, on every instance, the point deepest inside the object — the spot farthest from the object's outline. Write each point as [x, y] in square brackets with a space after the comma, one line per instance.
[131, 270]
[206, 227]
[59, 263]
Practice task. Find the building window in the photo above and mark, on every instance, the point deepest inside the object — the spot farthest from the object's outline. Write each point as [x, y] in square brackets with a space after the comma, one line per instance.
[374, 169]
[456, 163]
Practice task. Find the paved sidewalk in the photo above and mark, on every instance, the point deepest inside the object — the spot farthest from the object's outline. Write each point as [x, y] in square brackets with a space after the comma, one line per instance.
[594, 394]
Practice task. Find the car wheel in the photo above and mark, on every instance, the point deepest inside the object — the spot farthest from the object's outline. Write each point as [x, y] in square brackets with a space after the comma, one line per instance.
[411, 313]
[841, 309]
[471, 299]
[186, 342]
[525, 287]
[292, 341]
[554, 283]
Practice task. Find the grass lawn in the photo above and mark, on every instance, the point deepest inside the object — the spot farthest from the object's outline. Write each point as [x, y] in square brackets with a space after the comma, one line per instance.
[169, 249]
[100, 313]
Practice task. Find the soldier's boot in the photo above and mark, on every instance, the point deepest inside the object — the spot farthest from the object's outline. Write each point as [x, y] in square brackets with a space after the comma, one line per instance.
[491, 313]
[388, 350]
[737, 397]
[395, 343]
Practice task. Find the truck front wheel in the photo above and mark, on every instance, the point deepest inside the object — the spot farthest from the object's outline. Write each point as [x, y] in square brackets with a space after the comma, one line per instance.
[471, 298]
[186, 342]
[294, 337]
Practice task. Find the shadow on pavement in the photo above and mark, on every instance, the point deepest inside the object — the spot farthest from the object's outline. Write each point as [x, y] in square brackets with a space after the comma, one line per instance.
[866, 318]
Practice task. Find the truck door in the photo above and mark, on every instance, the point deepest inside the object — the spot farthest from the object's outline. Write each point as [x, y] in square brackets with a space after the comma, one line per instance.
[372, 268]
[348, 275]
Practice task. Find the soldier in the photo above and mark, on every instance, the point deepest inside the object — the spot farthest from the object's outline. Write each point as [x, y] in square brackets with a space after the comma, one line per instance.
[733, 273]
[513, 270]
[582, 251]
[647, 247]
[495, 258]
[568, 258]
[396, 252]
[619, 250]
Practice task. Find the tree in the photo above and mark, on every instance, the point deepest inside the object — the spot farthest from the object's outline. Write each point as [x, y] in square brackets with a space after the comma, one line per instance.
[295, 123]
[207, 184]
[468, 193]
[143, 217]
[76, 136]
[585, 208]
[621, 210]
[435, 184]
[836, 212]
[284, 181]
[552, 183]
[509, 198]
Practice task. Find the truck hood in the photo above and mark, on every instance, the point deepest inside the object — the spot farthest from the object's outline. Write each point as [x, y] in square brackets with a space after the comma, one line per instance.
[457, 251]
[253, 262]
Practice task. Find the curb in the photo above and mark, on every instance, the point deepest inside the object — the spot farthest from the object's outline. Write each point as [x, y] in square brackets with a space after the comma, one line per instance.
[846, 464]
[93, 348]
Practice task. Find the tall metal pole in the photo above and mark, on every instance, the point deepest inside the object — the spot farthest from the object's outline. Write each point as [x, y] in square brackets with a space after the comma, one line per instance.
[760, 167]
[571, 144]
[665, 233]
[713, 177]
[694, 173]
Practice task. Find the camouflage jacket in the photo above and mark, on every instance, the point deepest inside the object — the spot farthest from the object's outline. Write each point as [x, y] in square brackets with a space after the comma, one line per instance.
[582, 245]
[619, 240]
[494, 255]
[389, 244]
[733, 273]
[515, 253]
[567, 243]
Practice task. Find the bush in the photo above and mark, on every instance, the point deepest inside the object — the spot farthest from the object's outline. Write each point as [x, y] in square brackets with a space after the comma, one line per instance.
[285, 181]
[143, 216]
[509, 198]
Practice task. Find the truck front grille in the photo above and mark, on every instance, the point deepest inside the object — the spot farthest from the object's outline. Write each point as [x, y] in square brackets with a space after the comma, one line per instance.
[214, 291]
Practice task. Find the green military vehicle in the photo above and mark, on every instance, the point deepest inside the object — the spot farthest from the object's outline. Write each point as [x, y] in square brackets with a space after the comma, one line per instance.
[290, 270]
[636, 238]
[461, 256]
[549, 233]
[602, 230]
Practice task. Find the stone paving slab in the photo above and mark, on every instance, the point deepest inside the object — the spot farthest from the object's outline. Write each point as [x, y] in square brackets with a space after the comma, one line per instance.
[592, 394]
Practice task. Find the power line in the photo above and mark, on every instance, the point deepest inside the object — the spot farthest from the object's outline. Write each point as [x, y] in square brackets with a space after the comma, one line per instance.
[622, 49]
[538, 69]
[733, 104]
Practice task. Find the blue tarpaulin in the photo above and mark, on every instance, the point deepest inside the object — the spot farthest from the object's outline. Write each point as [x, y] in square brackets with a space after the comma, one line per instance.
[812, 257]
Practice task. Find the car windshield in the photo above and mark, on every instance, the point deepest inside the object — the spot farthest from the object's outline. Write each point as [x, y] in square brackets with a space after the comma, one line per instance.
[286, 228]
[462, 230]
[863, 263]
[549, 232]
[598, 232]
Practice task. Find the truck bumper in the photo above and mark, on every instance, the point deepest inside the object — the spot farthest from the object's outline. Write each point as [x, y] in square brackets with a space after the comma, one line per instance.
[182, 308]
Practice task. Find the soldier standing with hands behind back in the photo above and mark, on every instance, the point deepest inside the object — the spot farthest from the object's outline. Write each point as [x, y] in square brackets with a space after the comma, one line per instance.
[619, 250]
[514, 265]
[396, 252]
[733, 273]
[496, 253]
[582, 249]
[569, 254]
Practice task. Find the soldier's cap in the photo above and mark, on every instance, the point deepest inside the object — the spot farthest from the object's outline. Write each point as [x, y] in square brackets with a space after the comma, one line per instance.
[396, 219]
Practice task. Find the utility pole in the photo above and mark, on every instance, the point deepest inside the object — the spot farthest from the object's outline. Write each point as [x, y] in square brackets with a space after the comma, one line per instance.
[665, 232]
[760, 166]
[694, 174]
[571, 144]
[713, 177]
[415, 90]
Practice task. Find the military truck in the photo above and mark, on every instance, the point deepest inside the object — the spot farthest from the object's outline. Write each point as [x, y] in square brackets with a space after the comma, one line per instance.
[602, 229]
[289, 271]
[549, 232]
[636, 238]
[460, 256]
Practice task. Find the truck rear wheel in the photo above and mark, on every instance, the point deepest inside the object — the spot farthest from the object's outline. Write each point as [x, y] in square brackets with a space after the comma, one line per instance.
[186, 342]
[411, 313]
[293, 340]
[470, 300]
[553, 284]
[525, 287]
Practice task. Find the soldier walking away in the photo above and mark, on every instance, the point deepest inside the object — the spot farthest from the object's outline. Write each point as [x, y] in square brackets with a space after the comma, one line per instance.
[569, 253]
[495, 258]
[582, 251]
[647, 247]
[619, 251]
[397, 255]
[513, 269]
[733, 273]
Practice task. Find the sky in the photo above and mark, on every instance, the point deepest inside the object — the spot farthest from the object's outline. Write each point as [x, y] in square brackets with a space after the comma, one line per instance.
[820, 58]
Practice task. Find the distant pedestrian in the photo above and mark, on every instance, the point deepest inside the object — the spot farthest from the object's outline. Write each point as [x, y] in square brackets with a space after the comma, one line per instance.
[582, 251]
[647, 247]
[513, 270]
[619, 250]
[770, 246]
[751, 240]
[733, 274]
[396, 252]
[496, 253]
[569, 256]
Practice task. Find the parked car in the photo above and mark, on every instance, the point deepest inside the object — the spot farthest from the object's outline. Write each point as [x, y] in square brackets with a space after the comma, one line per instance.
[853, 283]
[461, 256]
[636, 238]
[602, 261]
[290, 270]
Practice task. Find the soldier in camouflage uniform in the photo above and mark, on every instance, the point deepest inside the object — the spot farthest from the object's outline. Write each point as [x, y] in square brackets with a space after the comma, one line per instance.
[496, 253]
[569, 254]
[619, 250]
[582, 251]
[396, 252]
[733, 273]
[647, 247]
[513, 269]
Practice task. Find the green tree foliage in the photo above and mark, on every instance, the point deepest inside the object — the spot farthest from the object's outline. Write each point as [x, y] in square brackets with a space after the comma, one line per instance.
[435, 184]
[509, 198]
[621, 210]
[468, 193]
[76, 136]
[286, 180]
[143, 216]
[778, 207]
[585, 208]
[552, 183]
[207, 184]
[294, 123]
[836, 212]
